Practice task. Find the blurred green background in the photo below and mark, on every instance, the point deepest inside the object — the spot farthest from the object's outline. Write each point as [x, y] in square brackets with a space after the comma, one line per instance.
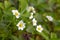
[9, 31]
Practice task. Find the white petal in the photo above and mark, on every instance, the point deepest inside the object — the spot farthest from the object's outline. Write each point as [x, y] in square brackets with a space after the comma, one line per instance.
[34, 11]
[14, 11]
[32, 14]
[39, 26]
[34, 24]
[18, 24]
[49, 18]
[17, 16]
[20, 28]
[30, 8]
[33, 19]
[30, 17]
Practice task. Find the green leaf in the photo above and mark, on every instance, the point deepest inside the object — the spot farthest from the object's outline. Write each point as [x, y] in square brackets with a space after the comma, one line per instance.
[54, 36]
[44, 35]
[58, 1]
[23, 5]
[1, 5]
[25, 14]
[31, 29]
[7, 4]
[57, 25]
[41, 1]
[14, 37]
[21, 38]
[31, 38]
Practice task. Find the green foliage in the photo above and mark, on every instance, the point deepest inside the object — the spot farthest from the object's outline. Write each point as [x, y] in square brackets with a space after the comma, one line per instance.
[8, 22]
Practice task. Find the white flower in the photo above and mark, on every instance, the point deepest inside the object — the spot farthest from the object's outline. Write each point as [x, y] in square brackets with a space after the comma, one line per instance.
[21, 25]
[34, 11]
[34, 22]
[49, 18]
[31, 9]
[16, 13]
[31, 16]
[39, 28]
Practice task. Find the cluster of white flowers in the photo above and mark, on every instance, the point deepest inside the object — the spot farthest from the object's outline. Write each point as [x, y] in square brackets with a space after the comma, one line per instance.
[34, 21]
[21, 24]
[31, 10]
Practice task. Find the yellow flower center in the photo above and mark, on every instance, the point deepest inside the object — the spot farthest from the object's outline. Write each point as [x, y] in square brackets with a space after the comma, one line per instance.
[20, 25]
[16, 14]
[39, 28]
